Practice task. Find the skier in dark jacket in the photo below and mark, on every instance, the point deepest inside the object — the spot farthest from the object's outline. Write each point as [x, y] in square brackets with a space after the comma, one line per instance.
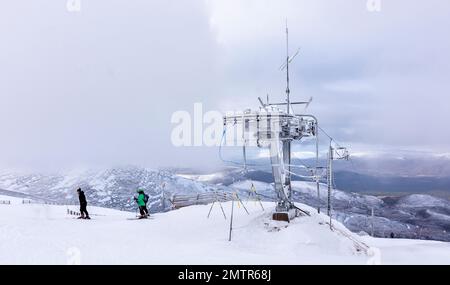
[83, 204]
[142, 203]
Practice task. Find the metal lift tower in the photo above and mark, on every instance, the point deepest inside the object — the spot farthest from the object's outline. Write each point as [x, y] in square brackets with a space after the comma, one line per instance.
[274, 128]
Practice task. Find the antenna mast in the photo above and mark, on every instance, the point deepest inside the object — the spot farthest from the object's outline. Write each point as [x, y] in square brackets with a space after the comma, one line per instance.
[288, 91]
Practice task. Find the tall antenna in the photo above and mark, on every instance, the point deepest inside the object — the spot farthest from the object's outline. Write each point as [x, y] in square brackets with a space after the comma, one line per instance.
[288, 100]
[285, 65]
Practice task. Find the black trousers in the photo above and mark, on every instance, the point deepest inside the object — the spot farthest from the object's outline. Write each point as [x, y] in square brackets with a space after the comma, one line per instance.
[83, 210]
[143, 210]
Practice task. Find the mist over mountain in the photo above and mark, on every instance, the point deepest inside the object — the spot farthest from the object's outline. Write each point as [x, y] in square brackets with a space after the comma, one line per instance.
[382, 172]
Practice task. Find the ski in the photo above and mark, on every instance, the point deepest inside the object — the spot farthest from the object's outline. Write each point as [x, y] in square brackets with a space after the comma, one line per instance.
[139, 218]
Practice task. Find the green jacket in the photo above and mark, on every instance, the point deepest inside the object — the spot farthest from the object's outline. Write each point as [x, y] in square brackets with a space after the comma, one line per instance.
[140, 199]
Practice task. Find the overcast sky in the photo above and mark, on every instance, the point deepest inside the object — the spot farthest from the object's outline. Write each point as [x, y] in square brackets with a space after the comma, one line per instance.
[98, 87]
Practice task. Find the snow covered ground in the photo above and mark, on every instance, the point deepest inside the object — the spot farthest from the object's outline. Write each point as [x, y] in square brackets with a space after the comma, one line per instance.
[45, 234]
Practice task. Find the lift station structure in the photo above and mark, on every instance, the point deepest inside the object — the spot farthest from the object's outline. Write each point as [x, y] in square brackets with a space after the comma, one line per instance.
[275, 126]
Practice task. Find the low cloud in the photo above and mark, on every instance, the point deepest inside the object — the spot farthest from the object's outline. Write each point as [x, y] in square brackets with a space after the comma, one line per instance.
[98, 87]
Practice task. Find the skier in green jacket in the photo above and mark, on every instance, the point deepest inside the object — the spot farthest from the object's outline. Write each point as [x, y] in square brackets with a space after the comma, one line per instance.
[142, 203]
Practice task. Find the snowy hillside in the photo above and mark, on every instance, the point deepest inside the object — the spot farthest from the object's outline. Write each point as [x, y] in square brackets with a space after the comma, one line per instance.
[411, 216]
[112, 188]
[44, 234]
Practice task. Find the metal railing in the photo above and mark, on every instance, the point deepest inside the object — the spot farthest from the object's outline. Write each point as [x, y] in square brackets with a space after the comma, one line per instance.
[180, 201]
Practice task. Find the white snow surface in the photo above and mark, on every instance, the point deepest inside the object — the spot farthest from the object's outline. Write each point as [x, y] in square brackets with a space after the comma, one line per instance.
[45, 234]
[12, 200]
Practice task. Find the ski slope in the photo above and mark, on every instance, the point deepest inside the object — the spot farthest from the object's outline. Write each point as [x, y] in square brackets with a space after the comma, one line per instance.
[45, 234]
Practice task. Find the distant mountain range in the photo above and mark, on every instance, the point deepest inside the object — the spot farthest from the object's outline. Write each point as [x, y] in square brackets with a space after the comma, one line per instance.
[382, 172]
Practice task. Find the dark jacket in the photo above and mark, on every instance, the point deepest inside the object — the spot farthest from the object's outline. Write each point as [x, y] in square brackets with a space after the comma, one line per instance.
[82, 198]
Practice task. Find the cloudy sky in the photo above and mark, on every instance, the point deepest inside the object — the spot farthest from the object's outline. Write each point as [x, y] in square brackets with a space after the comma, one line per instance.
[98, 87]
